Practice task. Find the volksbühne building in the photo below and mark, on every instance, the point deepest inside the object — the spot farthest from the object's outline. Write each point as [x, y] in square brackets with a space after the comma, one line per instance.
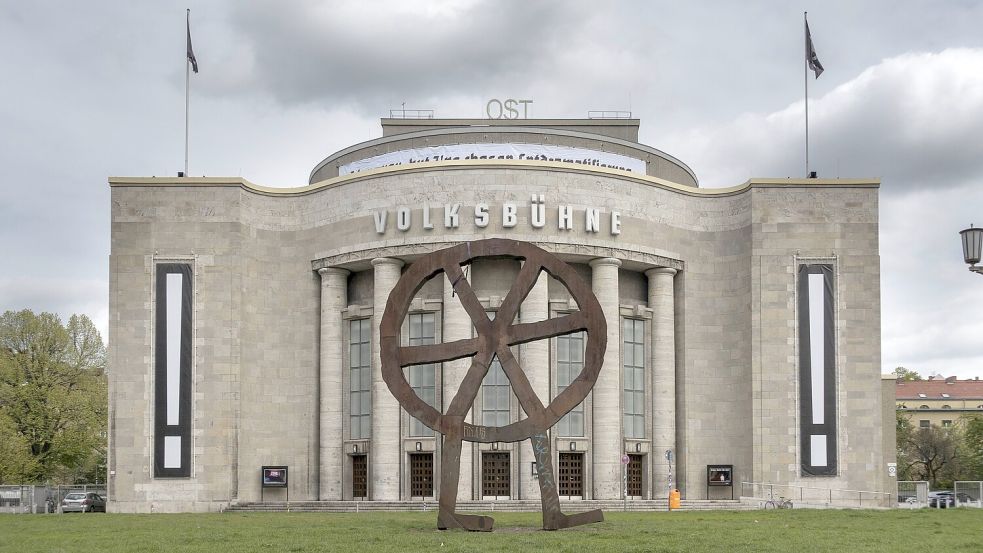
[743, 322]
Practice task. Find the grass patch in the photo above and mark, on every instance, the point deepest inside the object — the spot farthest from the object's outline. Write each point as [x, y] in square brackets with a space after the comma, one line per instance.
[799, 530]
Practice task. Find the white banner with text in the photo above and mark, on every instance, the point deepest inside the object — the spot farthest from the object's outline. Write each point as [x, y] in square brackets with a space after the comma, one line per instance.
[532, 152]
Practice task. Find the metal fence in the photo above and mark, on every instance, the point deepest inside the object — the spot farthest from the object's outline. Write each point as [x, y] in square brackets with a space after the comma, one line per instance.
[40, 499]
[809, 496]
[969, 493]
[912, 493]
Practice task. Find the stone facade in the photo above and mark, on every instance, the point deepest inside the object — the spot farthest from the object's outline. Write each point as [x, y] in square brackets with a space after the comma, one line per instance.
[280, 274]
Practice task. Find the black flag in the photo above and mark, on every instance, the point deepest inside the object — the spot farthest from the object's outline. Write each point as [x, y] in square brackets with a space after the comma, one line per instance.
[191, 52]
[811, 56]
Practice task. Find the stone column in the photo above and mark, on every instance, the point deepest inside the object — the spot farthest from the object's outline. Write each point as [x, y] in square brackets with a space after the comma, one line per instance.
[334, 298]
[386, 453]
[606, 440]
[662, 304]
[535, 360]
[457, 326]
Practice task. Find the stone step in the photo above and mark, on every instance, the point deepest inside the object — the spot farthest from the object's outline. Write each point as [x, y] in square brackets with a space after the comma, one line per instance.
[483, 506]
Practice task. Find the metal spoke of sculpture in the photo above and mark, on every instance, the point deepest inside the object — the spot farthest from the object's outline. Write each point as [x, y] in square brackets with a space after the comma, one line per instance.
[494, 337]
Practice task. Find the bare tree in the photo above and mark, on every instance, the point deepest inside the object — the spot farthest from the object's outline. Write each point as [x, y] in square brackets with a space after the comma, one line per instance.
[932, 454]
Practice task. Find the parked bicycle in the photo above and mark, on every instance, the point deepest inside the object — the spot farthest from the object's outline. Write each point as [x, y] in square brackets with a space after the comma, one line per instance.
[780, 503]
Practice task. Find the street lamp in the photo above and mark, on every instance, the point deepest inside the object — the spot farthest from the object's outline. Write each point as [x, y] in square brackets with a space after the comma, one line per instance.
[972, 243]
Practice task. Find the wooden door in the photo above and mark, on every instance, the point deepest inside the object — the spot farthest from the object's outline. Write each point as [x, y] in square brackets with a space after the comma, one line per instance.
[635, 475]
[421, 474]
[570, 481]
[360, 480]
[495, 475]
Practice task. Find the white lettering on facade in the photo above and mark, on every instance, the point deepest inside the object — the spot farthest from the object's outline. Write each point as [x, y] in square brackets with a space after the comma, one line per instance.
[565, 217]
[537, 211]
[481, 215]
[403, 219]
[451, 219]
[380, 221]
[592, 219]
[508, 215]
[427, 224]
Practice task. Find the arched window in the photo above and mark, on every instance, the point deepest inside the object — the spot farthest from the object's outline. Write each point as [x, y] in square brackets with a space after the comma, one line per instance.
[947, 407]
[923, 406]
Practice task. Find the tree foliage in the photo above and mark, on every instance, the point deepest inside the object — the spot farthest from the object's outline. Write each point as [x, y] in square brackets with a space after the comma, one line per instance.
[903, 432]
[53, 400]
[973, 444]
[906, 374]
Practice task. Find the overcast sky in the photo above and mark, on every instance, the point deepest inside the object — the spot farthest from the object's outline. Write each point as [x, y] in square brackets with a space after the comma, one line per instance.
[96, 89]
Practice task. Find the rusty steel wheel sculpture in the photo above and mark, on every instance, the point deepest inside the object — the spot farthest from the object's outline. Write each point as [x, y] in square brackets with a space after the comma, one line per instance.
[494, 337]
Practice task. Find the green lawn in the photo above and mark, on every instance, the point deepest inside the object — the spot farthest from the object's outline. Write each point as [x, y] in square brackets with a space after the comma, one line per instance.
[793, 531]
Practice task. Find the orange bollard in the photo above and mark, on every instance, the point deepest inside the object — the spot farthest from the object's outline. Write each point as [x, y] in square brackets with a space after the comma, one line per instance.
[673, 499]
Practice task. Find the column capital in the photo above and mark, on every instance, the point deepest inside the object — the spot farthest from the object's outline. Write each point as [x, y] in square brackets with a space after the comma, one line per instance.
[387, 261]
[605, 261]
[661, 271]
[332, 271]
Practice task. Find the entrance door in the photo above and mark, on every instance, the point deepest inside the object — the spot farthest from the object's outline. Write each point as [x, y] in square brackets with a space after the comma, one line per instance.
[495, 471]
[360, 480]
[635, 476]
[570, 481]
[421, 474]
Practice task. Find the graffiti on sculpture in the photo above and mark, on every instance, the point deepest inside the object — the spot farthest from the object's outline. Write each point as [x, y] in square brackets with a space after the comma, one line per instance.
[493, 337]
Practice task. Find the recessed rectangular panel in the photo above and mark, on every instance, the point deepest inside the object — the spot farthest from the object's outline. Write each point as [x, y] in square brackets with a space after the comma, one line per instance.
[173, 340]
[172, 452]
[817, 342]
[817, 450]
[173, 325]
[817, 369]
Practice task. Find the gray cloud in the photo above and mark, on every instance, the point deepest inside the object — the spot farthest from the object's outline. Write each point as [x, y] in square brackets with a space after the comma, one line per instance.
[368, 54]
[97, 89]
[929, 299]
[912, 120]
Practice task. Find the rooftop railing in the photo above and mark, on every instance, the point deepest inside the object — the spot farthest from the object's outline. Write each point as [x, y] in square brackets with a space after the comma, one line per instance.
[411, 114]
[609, 115]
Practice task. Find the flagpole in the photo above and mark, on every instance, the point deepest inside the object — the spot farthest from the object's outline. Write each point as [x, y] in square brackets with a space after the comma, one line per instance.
[805, 78]
[187, 97]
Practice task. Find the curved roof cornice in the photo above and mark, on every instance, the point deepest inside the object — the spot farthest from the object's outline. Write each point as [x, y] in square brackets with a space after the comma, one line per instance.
[464, 165]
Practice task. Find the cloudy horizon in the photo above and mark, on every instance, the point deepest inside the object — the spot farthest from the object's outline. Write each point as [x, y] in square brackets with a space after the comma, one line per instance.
[98, 90]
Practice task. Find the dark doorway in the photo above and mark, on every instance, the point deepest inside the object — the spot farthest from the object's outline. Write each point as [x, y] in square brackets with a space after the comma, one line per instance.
[360, 480]
[495, 480]
[635, 475]
[421, 474]
[571, 475]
